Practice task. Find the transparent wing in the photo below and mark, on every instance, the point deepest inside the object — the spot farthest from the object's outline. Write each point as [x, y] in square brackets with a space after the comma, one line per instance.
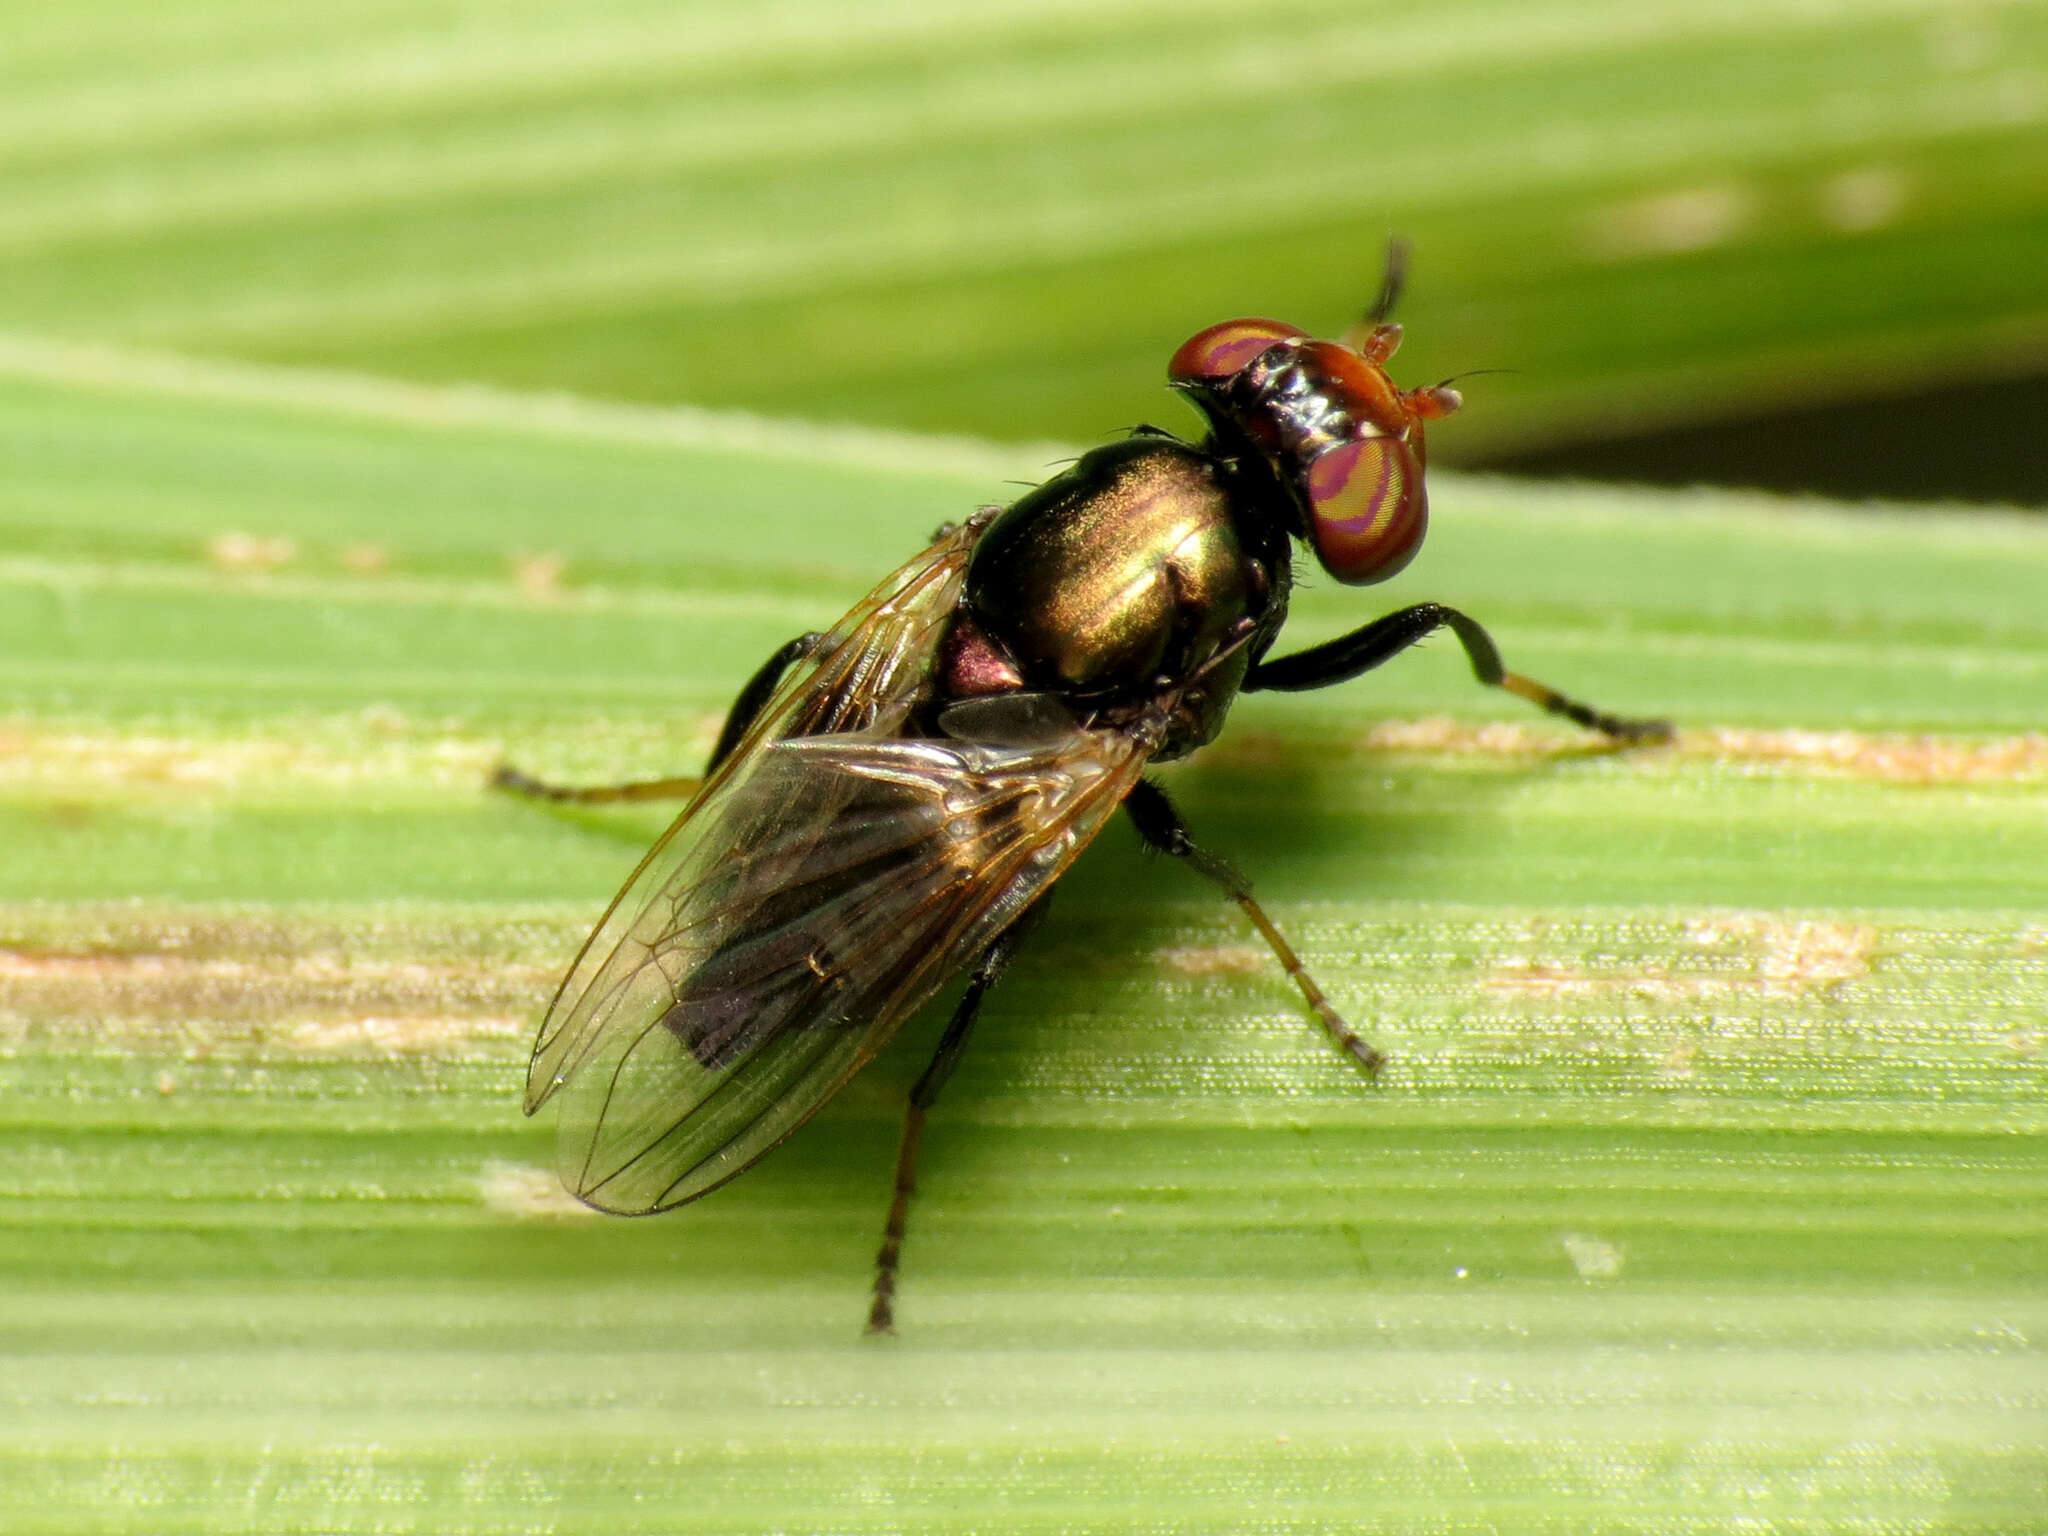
[864, 678]
[827, 892]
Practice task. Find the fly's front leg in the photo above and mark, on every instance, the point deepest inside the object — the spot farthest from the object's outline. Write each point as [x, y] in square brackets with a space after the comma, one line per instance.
[1348, 656]
[753, 698]
[1159, 823]
[925, 1092]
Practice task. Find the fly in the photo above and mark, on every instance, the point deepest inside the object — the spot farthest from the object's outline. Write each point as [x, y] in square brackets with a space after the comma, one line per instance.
[891, 802]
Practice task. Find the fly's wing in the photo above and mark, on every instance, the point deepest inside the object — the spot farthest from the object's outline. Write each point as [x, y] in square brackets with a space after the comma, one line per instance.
[863, 678]
[827, 891]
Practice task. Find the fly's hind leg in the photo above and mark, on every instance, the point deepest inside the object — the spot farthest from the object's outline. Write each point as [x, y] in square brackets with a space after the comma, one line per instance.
[1159, 823]
[1348, 656]
[753, 698]
[925, 1092]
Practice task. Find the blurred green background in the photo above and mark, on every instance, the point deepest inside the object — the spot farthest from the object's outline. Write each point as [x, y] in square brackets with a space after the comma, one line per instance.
[1793, 242]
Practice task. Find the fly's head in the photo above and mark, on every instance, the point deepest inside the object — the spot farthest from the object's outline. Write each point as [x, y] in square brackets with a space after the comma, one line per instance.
[1343, 440]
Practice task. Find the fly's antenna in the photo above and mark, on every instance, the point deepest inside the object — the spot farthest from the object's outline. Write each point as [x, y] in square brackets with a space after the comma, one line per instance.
[1471, 373]
[1375, 337]
[1393, 278]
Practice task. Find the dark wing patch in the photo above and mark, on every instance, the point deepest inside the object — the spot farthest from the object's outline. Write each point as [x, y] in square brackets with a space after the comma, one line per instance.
[829, 892]
[864, 678]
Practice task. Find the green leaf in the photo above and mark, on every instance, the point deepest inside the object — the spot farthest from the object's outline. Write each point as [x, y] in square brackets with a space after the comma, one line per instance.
[1705, 1189]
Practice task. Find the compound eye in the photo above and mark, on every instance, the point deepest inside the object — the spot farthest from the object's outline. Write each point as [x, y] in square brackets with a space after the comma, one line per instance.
[1367, 508]
[1211, 356]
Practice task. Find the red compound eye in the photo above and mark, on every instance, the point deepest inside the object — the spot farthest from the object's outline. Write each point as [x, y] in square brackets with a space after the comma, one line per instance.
[1211, 356]
[1367, 507]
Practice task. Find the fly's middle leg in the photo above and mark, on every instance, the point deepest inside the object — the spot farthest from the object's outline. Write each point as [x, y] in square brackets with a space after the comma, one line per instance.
[1159, 823]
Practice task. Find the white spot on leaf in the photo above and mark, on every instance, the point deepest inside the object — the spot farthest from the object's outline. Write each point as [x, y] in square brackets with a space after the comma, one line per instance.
[1869, 198]
[1593, 1257]
[1672, 223]
[528, 1193]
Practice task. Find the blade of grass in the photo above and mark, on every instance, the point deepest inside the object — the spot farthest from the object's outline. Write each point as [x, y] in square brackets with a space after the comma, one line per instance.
[1705, 1188]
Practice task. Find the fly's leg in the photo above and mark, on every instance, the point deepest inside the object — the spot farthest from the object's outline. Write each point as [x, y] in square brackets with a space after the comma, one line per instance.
[760, 688]
[1159, 823]
[753, 698]
[512, 781]
[924, 1092]
[1340, 660]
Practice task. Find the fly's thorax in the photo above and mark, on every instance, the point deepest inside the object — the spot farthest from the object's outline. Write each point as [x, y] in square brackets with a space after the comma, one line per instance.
[1125, 573]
